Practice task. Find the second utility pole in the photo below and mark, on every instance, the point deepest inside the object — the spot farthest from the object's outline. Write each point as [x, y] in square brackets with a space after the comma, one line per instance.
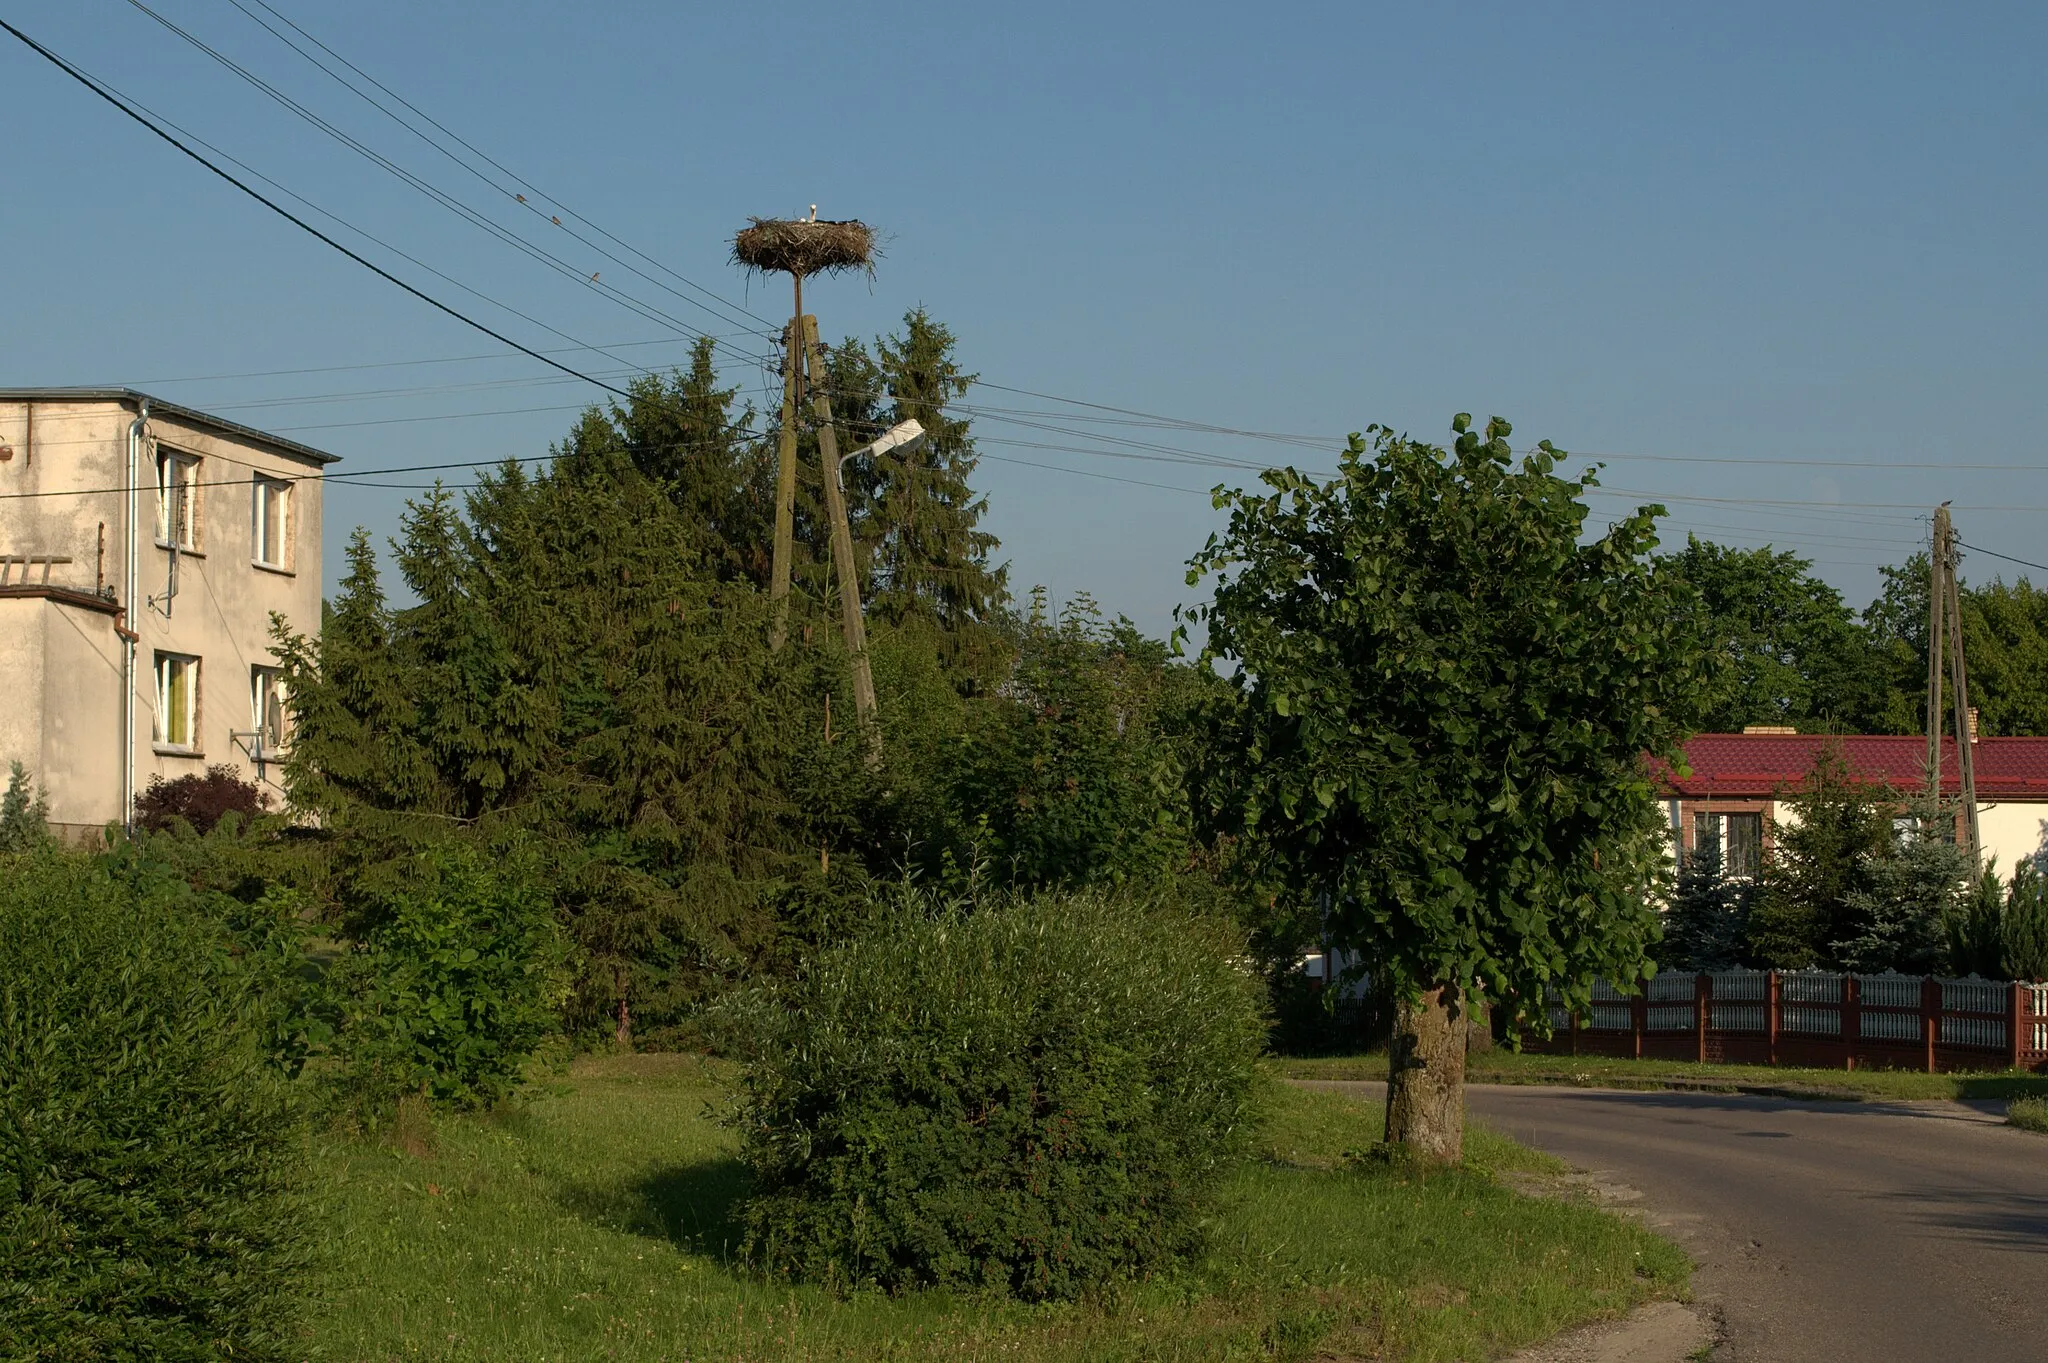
[1945, 633]
[842, 536]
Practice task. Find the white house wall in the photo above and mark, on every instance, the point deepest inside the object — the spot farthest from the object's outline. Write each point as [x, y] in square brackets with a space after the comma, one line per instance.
[68, 658]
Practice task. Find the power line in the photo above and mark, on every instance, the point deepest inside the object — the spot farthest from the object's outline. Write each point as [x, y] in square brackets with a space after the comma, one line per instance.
[122, 104]
[723, 303]
[2038, 567]
[454, 205]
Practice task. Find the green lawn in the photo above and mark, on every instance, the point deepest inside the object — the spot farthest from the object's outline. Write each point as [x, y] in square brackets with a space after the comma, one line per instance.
[1510, 1067]
[594, 1223]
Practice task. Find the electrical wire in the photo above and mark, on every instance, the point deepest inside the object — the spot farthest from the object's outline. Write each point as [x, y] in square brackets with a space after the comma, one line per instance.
[517, 179]
[119, 102]
[2039, 567]
[567, 270]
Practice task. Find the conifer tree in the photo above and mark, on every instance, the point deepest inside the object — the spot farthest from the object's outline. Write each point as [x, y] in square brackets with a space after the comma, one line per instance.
[931, 558]
[24, 813]
[1709, 915]
[2024, 933]
[1911, 889]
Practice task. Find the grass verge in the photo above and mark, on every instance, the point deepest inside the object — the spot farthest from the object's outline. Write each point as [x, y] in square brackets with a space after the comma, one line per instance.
[1511, 1067]
[2029, 1114]
[597, 1224]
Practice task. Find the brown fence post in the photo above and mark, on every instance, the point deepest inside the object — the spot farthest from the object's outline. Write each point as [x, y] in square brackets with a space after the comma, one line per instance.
[1572, 1031]
[1639, 1014]
[1930, 1016]
[1702, 1007]
[1774, 1007]
[1852, 1020]
[2016, 1021]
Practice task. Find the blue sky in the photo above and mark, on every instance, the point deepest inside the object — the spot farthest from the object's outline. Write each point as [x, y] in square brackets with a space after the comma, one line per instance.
[1780, 265]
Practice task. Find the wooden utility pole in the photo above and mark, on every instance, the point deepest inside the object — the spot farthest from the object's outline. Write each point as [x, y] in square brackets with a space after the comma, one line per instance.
[785, 473]
[1945, 634]
[842, 536]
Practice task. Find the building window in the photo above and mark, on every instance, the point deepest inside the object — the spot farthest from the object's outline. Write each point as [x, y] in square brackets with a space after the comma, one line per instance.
[272, 510]
[1738, 839]
[177, 701]
[177, 499]
[266, 706]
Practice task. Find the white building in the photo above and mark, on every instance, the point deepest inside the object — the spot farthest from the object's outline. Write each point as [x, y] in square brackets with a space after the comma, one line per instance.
[144, 548]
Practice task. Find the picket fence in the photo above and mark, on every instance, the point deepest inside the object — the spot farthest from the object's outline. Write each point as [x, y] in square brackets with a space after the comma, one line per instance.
[1811, 1018]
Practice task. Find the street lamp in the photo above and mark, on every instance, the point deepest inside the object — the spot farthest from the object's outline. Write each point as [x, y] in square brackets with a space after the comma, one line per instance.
[905, 435]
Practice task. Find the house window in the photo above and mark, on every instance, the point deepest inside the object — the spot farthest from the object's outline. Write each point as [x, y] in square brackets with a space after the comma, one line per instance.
[177, 499]
[266, 707]
[177, 701]
[1737, 838]
[272, 512]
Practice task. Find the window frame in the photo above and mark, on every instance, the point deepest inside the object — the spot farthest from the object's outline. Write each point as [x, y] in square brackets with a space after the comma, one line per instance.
[1713, 822]
[265, 491]
[168, 664]
[169, 462]
[268, 682]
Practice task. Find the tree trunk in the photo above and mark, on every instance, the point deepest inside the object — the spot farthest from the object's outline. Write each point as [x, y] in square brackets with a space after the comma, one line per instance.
[1426, 1076]
[624, 1035]
[1479, 1024]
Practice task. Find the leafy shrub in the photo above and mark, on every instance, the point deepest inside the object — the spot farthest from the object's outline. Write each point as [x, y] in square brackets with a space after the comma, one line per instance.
[200, 800]
[455, 981]
[148, 1150]
[24, 815]
[1034, 1098]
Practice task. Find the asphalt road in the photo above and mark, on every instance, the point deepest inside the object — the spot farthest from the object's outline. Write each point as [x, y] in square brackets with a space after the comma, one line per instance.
[1881, 1231]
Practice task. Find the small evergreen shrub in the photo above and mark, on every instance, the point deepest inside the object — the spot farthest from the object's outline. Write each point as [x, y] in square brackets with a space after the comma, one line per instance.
[458, 976]
[2023, 936]
[202, 799]
[1032, 1099]
[149, 1147]
[24, 814]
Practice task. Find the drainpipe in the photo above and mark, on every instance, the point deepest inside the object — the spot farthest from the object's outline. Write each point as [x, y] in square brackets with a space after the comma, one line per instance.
[128, 635]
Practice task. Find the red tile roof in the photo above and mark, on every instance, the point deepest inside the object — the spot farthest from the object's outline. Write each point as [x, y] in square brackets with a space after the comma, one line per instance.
[1754, 765]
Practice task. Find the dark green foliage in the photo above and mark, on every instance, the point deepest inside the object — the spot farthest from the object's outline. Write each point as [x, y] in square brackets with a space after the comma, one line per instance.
[24, 814]
[1446, 690]
[149, 1148]
[1035, 1098]
[1072, 776]
[2005, 637]
[455, 980]
[2024, 935]
[1707, 922]
[1974, 934]
[1796, 654]
[1911, 889]
[1823, 857]
[201, 799]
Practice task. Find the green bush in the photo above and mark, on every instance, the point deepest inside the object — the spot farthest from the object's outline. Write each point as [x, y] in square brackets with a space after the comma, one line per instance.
[149, 1149]
[1034, 1098]
[456, 979]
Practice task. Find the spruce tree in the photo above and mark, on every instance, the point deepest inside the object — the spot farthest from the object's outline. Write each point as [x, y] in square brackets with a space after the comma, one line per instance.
[1910, 890]
[1974, 932]
[1803, 907]
[931, 558]
[2024, 934]
[1708, 918]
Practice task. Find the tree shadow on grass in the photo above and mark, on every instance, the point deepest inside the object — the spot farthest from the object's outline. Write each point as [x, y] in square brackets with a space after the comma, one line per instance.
[695, 1207]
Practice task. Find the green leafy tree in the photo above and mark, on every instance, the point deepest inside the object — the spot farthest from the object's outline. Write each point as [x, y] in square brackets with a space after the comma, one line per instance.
[2005, 639]
[1797, 654]
[1820, 867]
[1447, 689]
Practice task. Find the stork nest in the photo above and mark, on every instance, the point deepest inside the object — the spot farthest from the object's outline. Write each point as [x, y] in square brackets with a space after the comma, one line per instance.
[801, 247]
